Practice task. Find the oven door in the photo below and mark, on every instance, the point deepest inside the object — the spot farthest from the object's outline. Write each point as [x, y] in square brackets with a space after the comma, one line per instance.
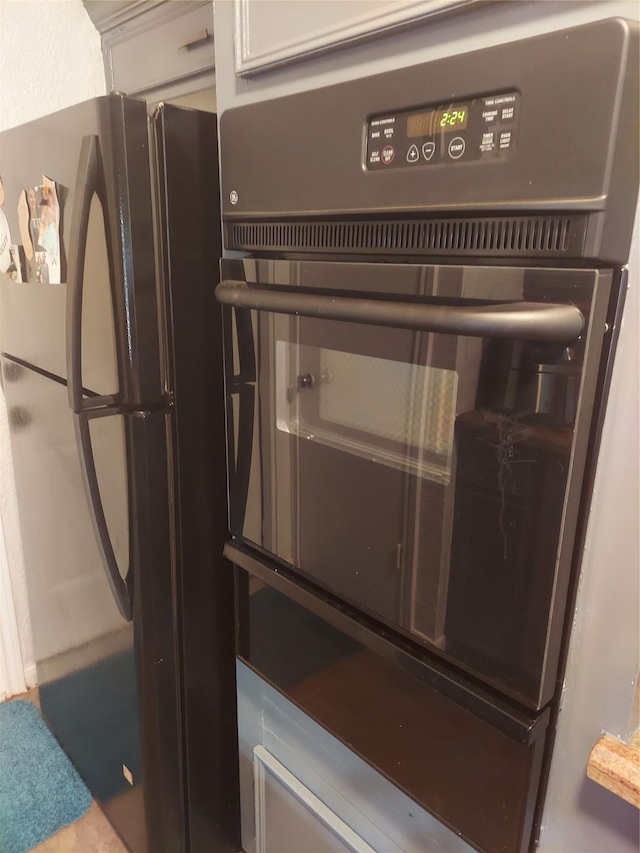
[412, 439]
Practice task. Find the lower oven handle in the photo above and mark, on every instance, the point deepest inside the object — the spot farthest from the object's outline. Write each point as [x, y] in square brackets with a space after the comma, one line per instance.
[526, 321]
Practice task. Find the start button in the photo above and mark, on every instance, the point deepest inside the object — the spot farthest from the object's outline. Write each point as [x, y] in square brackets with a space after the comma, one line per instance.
[456, 147]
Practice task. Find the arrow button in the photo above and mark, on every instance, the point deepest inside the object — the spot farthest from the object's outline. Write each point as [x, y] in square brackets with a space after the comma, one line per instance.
[413, 155]
[427, 150]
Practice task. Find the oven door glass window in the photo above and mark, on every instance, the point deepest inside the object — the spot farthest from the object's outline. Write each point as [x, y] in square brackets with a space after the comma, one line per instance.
[353, 462]
[336, 398]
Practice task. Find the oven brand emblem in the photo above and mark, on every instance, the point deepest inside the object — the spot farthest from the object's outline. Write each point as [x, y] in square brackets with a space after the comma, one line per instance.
[233, 197]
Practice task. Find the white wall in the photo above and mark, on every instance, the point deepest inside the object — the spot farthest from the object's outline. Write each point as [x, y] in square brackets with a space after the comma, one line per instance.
[50, 58]
[605, 644]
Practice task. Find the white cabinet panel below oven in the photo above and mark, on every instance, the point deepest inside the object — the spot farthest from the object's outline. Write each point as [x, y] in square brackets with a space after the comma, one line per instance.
[331, 785]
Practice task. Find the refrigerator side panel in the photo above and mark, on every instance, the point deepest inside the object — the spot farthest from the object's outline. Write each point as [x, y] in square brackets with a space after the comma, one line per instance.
[190, 233]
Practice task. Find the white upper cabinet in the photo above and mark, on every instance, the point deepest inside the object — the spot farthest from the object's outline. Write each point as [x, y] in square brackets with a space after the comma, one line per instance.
[151, 44]
[318, 26]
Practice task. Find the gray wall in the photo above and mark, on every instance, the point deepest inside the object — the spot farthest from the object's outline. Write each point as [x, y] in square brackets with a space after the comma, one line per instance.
[604, 652]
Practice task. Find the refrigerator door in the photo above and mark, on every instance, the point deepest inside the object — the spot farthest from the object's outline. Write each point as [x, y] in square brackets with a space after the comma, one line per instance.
[155, 620]
[83, 646]
[104, 645]
[190, 243]
[107, 291]
[71, 601]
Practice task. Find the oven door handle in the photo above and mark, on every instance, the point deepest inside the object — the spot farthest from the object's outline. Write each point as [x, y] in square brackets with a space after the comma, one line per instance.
[526, 321]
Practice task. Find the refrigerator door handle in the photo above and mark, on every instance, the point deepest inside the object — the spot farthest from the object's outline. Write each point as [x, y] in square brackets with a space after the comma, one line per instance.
[87, 184]
[117, 584]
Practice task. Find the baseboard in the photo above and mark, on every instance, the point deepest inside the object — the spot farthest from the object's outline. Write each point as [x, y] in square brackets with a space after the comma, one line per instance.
[11, 661]
[31, 675]
[30, 678]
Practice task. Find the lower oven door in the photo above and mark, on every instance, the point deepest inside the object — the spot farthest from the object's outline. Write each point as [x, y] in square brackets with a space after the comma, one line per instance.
[412, 439]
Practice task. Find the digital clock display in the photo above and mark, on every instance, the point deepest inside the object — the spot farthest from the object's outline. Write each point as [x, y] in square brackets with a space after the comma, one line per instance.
[437, 121]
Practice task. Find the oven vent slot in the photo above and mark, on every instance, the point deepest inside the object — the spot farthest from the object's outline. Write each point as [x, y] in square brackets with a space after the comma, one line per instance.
[546, 236]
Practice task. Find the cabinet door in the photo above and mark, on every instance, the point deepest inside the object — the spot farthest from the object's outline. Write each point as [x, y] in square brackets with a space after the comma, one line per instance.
[167, 44]
[302, 791]
[291, 819]
[277, 33]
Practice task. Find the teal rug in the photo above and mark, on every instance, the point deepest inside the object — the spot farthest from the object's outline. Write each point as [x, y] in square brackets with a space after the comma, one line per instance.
[40, 791]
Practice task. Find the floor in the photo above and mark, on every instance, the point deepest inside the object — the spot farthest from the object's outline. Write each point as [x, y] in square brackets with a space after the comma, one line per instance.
[91, 834]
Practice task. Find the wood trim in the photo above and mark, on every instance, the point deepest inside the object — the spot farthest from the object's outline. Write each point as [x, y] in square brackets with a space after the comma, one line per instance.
[616, 766]
[146, 19]
[112, 15]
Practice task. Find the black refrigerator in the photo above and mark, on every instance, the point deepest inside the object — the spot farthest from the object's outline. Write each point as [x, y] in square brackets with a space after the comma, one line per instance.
[112, 375]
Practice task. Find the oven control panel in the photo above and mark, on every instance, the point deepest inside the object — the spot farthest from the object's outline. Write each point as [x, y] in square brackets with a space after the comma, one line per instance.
[479, 129]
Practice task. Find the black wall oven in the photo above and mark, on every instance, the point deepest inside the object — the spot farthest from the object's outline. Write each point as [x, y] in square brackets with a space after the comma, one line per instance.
[422, 298]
